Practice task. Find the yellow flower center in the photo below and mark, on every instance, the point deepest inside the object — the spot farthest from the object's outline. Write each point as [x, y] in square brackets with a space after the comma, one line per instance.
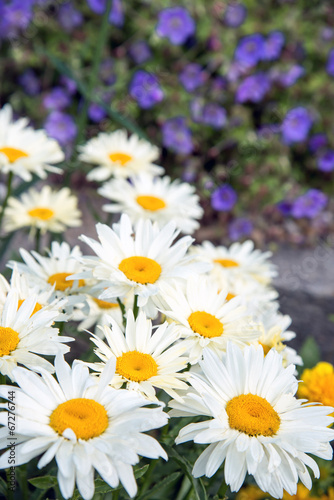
[37, 307]
[230, 296]
[226, 262]
[8, 340]
[103, 304]
[87, 418]
[140, 269]
[121, 158]
[252, 415]
[266, 348]
[136, 366]
[41, 213]
[59, 279]
[152, 203]
[318, 384]
[13, 154]
[205, 324]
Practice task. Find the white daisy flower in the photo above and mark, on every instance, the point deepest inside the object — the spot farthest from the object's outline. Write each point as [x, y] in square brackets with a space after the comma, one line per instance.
[24, 288]
[26, 332]
[205, 318]
[138, 262]
[257, 424]
[43, 209]
[144, 359]
[96, 312]
[85, 425]
[54, 272]
[119, 155]
[154, 198]
[240, 260]
[25, 151]
[275, 332]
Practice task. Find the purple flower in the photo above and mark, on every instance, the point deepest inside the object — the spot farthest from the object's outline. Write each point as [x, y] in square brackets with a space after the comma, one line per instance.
[235, 71]
[253, 88]
[273, 45]
[176, 136]
[285, 207]
[116, 16]
[96, 113]
[211, 114]
[330, 63]
[145, 89]
[69, 17]
[140, 52]
[289, 78]
[30, 82]
[326, 161]
[309, 204]
[69, 84]
[61, 127]
[107, 71]
[317, 141]
[15, 16]
[214, 115]
[250, 49]
[57, 98]
[235, 15]
[224, 198]
[239, 227]
[192, 76]
[296, 125]
[176, 24]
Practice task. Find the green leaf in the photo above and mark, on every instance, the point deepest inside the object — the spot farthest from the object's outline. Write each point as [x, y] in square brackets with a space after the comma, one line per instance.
[102, 487]
[44, 482]
[185, 465]
[3, 487]
[161, 485]
[310, 353]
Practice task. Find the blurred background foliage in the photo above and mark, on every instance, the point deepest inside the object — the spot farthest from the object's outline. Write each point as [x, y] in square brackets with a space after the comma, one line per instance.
[67, 68]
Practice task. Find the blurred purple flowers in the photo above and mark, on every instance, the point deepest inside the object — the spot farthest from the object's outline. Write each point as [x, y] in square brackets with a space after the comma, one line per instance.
[326, 161]
[61, 127]
[296, 125]
[57, 98]
[273, 46]
[309, 205]
[176, 136]
[253, 88]
[235, 15]
[145, 89]
[176, 24]
[192, 76]
[140, 52]
[239, 228]
[224, 198]
[330, 63]
[250, 49]
[116, 16]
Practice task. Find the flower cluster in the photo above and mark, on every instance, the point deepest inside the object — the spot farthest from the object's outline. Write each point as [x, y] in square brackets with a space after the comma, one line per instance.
[195, 327]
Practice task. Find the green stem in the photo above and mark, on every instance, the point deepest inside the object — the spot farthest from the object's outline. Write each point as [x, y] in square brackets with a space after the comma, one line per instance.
[37, 240]
[222, 491]
[115, 495]
[135, 307]
[148, 475]
[4, 205]
[122, 306]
